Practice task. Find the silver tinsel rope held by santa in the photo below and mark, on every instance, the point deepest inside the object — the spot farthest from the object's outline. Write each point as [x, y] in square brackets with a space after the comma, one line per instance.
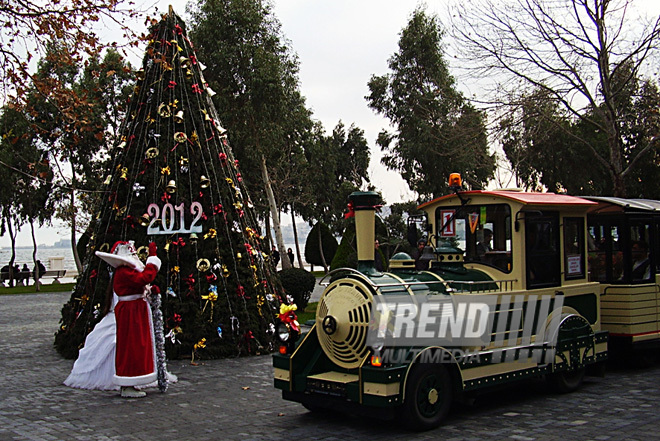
[157, 314]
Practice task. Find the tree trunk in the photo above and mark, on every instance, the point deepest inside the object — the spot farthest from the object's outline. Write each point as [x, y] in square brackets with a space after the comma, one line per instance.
[12, 237]
[269, 236]
[325, 265]
[295, 236]
[37, 276]
[274, 214]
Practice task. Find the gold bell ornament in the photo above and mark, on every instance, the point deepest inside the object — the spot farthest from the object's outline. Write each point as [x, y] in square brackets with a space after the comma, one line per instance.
[204, 182]
[144, 220]
[178, 117]
[171, 187]
[193, 238]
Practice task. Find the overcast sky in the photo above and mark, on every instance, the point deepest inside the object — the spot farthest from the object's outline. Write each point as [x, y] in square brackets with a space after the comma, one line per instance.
[340, 44]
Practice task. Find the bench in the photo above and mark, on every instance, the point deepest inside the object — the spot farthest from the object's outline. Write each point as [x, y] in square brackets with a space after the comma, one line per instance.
[29, 275]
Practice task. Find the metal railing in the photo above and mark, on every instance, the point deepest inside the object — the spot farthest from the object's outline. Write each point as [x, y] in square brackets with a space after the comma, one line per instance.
[462, 286]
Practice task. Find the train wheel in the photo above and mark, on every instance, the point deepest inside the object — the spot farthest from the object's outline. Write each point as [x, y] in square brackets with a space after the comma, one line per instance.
[565, 382]
[428, 397]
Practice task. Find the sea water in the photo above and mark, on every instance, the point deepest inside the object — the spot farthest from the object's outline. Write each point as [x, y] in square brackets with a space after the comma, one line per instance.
[24, 255]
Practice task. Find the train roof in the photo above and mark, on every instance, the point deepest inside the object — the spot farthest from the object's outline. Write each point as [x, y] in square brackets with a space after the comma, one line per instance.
[610, 203]
[525, 198]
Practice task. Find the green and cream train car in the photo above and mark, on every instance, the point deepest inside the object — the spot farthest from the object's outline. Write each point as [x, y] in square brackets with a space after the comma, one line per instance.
[515, 251]
[624, 241]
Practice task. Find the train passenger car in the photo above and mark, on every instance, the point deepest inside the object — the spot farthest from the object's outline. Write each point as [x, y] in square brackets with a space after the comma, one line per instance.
[525, 254]
[624, 241]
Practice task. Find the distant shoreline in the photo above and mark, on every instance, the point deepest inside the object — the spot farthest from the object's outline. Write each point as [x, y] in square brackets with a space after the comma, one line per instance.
[30, 247]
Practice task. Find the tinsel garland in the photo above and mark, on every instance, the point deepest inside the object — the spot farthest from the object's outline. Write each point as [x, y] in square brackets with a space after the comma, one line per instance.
[157, 314]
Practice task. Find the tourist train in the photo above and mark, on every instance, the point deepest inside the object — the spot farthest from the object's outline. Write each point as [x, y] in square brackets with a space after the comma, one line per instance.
[541, 281]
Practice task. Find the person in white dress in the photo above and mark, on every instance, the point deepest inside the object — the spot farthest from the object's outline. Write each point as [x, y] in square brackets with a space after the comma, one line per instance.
[95, 366]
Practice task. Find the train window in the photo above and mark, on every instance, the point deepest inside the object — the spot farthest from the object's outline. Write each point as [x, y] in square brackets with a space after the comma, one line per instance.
[482, 231]
[542, 248]
[656, 246]
[606, 245]
[574, 248]
[640, 257]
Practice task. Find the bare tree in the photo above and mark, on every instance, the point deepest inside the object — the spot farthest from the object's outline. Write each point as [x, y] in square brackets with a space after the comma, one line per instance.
[29, 26]
[573, 50]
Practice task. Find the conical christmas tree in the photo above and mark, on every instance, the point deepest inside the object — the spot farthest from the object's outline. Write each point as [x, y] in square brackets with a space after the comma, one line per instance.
[174, 181]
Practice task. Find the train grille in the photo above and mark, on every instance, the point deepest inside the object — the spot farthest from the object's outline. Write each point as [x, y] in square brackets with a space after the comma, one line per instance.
[342, 322]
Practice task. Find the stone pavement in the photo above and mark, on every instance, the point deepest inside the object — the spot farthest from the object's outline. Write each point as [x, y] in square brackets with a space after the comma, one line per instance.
[234, 399]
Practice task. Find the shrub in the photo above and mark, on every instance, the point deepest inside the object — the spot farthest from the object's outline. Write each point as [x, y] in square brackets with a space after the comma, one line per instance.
[312, 250]
[299, 284]
[346, 255]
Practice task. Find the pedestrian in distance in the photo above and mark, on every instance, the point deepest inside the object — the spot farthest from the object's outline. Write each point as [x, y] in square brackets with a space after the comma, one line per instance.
[38, 271]
[275, 256]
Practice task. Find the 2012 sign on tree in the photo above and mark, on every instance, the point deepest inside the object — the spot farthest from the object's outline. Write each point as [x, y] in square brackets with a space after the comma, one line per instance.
[165, 221]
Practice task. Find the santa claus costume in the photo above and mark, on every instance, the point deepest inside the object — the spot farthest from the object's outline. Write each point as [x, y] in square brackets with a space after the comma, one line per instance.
[135, 357]
[95, 366]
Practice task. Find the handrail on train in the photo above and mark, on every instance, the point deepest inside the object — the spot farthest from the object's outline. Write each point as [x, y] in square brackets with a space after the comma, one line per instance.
[504, 285]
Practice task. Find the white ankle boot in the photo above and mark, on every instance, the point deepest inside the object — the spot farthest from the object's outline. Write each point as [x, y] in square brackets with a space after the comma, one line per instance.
[131, 392]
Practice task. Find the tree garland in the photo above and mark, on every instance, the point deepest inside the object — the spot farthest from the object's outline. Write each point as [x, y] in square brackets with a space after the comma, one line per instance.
[157, 314]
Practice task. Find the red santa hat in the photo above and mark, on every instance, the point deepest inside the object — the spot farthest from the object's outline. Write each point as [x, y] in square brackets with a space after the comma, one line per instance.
[122, 253]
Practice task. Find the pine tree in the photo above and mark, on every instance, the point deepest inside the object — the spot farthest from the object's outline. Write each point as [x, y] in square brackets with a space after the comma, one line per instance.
[173, 179]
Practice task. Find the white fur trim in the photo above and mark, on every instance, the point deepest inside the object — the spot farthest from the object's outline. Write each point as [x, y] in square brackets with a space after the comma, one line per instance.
[116, 261]
[154, 260]
[135, 381]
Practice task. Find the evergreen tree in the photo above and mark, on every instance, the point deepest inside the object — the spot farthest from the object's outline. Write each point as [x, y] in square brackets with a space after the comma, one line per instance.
[256, 76]
[174, 180]
[437, 131]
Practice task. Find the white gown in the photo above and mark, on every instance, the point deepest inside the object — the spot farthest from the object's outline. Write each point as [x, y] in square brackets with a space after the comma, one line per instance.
[95, 366]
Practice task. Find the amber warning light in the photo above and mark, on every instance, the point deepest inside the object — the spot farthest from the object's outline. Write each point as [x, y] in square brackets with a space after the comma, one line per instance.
[455, 180]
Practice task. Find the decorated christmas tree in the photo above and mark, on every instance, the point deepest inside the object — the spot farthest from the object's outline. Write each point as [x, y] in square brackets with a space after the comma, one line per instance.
[174, 181]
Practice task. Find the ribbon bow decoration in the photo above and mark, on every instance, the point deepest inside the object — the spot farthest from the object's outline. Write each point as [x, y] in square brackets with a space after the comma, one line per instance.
[288, 316]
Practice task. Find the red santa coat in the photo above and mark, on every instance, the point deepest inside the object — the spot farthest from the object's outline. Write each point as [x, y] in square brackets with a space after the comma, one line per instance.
[135, 360]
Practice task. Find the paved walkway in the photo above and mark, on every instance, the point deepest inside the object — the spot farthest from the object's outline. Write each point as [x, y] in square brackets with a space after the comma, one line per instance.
[234, 399]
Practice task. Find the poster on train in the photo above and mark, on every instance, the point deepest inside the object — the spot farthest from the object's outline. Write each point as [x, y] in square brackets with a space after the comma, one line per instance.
[448, 223]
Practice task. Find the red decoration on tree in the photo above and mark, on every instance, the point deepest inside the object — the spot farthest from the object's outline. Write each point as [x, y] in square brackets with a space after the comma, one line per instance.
[179, 242]
[351, 211]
